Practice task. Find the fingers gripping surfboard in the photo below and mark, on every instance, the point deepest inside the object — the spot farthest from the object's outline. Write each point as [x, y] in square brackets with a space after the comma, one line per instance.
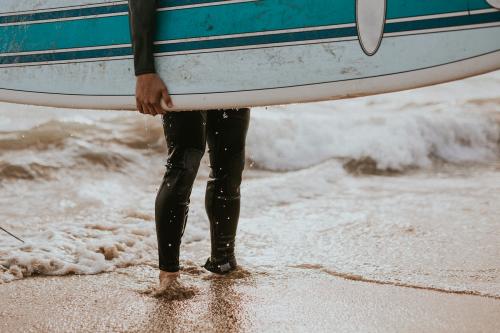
[237, 53]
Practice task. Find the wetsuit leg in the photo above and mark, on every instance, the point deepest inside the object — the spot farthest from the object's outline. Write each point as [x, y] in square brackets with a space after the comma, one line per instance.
[186, 140]
[226, 135]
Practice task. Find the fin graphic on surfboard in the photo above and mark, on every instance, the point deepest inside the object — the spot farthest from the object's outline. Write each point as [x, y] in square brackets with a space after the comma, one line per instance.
[494, 3]
[370, 22]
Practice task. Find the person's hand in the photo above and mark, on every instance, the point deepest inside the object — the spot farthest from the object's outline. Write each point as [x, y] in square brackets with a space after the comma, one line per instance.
[149, 92]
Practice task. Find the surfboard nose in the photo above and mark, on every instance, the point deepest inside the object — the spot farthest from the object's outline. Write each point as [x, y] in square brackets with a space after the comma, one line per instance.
[370, 22]
[494, 3]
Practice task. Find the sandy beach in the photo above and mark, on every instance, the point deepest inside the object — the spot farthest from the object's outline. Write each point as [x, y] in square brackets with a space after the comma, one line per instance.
[292, 300]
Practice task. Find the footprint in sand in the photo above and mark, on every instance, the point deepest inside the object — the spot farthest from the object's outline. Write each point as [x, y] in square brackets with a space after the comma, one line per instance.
[175, 290]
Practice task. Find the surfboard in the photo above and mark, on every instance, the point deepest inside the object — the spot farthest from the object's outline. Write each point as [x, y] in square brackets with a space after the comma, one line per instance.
[235, 53]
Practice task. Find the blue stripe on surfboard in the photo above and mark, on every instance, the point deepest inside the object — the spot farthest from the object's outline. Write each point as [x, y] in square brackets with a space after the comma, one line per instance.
[209, 21]
[253, 40]
[184, 46]
[443, 22]
[394, 10]
[479, 4]
[247, 17]
[62, 13]
[410, 8]
[195, 22]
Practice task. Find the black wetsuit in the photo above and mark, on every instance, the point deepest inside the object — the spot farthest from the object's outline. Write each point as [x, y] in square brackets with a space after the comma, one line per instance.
[186, 134]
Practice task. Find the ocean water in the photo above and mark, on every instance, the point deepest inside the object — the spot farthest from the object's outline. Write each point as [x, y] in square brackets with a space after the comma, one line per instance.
[399, 188]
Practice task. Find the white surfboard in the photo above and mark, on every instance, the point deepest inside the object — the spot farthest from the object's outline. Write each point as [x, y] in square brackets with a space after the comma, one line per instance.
[235, 53]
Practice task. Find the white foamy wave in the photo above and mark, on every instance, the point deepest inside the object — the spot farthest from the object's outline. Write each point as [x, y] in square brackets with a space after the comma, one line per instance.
[457, 123]
[284, 140]
[44, 146]
[90, 225]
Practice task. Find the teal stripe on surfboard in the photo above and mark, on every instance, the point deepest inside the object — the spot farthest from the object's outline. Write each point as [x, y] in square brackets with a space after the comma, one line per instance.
[75, 12]
[395, 9]
[410, 8]
[262, 40]
[235, 18]
[194, 22]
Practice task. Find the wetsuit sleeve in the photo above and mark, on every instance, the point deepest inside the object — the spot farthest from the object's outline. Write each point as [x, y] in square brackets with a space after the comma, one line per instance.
[142, 18]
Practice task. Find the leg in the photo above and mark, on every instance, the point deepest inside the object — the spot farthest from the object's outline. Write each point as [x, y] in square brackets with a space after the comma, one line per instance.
[226, 135]
[185, 136]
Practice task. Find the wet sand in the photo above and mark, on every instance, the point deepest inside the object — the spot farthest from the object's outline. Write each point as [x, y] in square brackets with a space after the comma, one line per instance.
[294, 300]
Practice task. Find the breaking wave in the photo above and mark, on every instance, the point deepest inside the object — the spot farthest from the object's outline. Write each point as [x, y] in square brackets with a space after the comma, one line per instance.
[373, 140]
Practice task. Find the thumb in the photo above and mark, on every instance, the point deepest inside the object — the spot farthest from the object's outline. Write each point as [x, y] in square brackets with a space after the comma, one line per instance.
[166, 98]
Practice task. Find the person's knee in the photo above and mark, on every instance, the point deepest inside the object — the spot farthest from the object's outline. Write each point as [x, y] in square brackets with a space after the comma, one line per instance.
[181, 170]
[185, 158]
[227, 176]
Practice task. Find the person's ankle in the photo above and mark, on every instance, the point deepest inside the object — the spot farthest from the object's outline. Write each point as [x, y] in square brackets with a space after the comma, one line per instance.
[221, 266]
[166, 274]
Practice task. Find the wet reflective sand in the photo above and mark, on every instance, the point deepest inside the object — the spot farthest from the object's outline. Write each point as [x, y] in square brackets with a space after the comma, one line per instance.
[290, 300]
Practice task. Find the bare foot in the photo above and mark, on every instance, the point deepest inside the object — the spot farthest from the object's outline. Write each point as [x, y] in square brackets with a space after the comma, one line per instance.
[168, 277]
[172, 288]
